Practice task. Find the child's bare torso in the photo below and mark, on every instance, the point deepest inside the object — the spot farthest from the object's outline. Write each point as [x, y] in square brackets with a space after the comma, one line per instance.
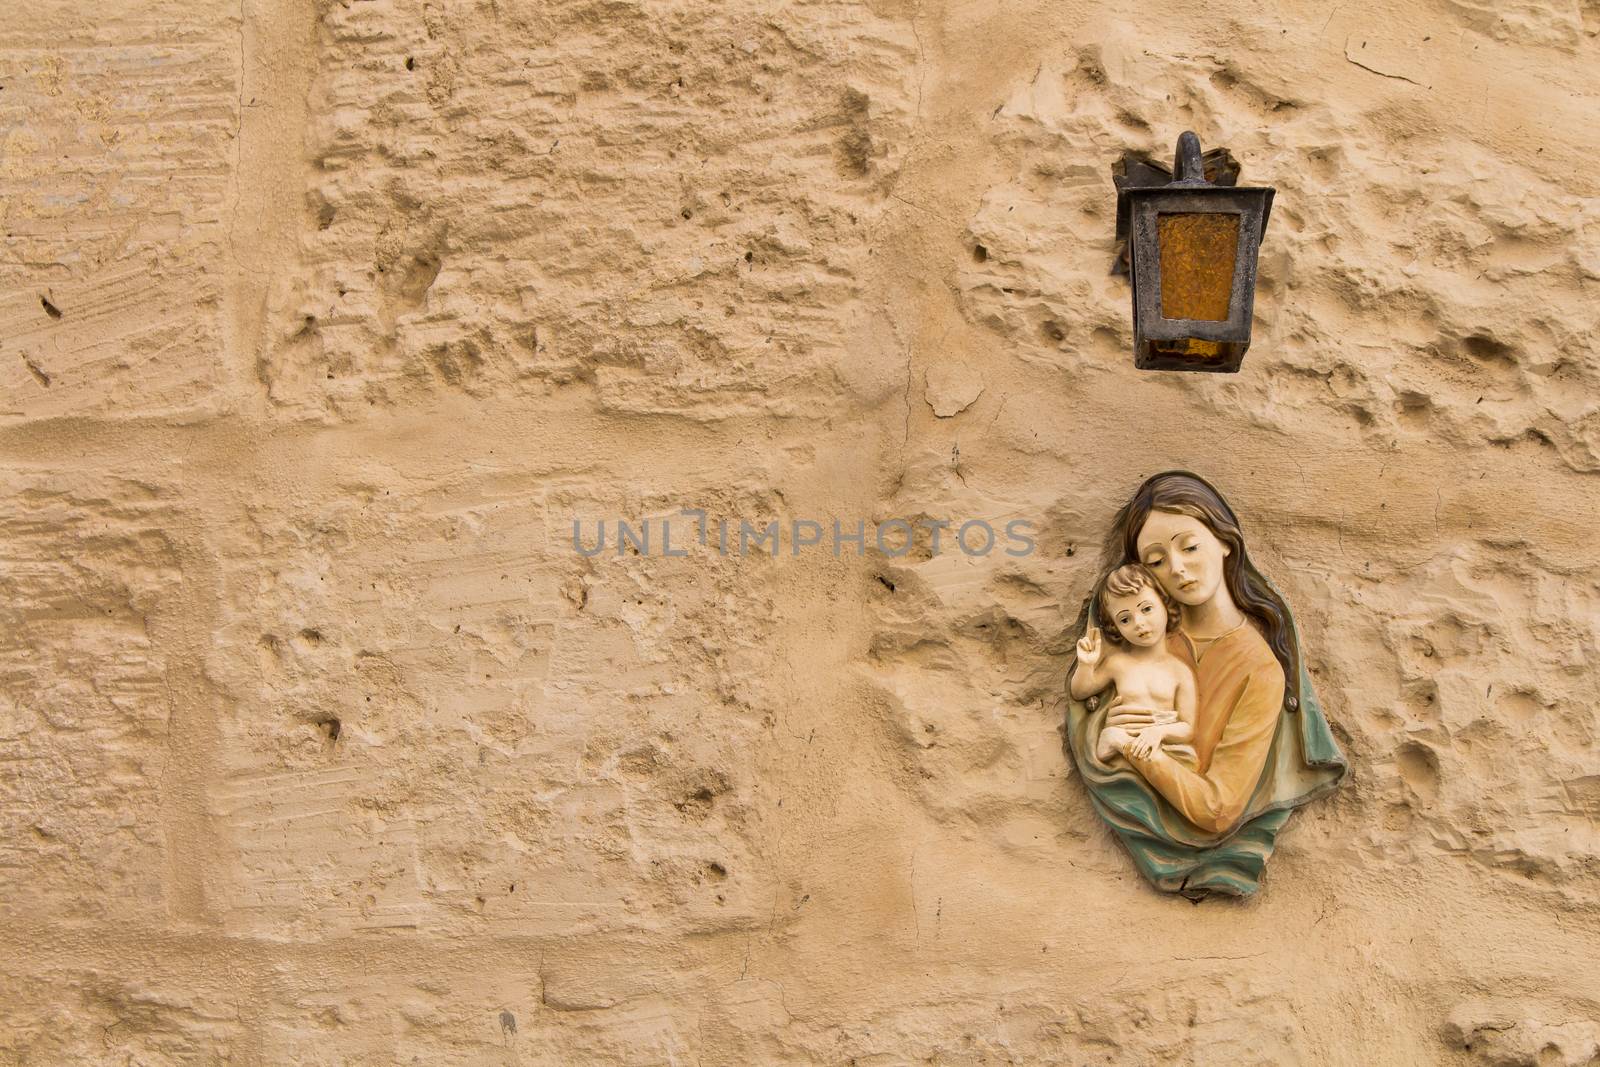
[1148, 681]
[1158, 684]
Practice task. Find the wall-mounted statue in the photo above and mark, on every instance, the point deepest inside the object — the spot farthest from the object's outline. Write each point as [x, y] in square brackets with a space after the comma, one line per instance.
[1192, 719]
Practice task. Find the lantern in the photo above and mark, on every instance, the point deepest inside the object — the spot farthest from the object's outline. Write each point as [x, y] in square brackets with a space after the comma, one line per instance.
[1192, 251]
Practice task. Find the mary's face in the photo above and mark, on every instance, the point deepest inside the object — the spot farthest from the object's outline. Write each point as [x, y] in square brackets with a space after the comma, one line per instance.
[1185, 556]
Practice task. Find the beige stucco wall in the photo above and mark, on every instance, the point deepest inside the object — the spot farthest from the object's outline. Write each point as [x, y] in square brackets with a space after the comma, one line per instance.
[319, 744]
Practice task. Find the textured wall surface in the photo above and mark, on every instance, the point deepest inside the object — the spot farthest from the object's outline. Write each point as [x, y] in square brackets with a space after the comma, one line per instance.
[321, 321]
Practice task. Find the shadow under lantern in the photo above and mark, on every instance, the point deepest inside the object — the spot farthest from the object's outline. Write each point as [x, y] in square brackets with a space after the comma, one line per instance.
[1192, 249]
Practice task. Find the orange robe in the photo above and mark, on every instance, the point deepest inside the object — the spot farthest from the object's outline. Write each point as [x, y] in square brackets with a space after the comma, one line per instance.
[1241, 690]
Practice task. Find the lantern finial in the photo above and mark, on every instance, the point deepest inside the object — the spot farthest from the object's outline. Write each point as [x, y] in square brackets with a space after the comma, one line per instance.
[1186, 165]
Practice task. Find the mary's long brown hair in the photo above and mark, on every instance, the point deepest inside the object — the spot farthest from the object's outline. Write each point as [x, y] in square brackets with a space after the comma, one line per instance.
[1182, 493]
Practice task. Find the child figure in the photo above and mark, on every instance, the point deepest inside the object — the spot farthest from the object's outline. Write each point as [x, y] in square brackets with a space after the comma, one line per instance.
[1138, 615]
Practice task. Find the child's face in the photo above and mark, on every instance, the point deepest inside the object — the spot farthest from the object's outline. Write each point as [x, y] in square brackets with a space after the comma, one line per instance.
[1139, 617]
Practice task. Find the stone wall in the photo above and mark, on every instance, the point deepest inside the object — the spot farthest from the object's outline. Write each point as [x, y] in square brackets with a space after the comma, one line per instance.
[321, 321]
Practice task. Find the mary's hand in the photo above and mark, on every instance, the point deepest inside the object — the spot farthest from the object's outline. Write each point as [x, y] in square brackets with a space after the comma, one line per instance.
[1146, 744]
[1131, 717]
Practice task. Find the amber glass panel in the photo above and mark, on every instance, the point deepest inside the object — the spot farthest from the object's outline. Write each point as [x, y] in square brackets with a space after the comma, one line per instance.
[1192, 348]
[1197, 254]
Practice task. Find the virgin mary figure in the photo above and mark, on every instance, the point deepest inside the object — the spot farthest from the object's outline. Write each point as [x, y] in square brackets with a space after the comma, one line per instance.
[1203, 818]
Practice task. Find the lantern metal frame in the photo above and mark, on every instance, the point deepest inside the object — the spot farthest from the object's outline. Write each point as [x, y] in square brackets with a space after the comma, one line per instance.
[1156, 336]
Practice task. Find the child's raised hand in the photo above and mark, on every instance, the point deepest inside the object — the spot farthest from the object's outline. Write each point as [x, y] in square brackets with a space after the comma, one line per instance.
[1089, 648]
